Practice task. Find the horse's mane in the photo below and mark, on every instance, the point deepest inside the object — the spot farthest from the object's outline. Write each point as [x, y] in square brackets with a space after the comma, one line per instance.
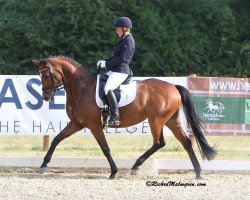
[70, 60]
[75, 63]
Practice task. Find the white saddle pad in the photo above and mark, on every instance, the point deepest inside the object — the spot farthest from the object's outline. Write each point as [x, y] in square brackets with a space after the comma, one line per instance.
[128, 93]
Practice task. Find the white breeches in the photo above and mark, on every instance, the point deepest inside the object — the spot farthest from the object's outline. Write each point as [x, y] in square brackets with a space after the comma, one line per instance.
[115, 79]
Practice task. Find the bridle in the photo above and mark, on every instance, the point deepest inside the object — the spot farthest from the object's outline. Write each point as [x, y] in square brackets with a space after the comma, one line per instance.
[56, 84]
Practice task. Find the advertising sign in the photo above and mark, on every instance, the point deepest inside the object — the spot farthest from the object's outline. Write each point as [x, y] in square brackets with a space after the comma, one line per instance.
[222, 103]
[221, 109]
[23, 111]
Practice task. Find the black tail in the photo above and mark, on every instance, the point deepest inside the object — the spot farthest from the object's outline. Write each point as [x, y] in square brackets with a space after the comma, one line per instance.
[193, 119]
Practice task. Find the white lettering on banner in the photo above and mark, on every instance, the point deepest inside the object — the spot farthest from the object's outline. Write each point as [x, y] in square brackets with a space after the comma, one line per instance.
[237, 85]
[23, 111]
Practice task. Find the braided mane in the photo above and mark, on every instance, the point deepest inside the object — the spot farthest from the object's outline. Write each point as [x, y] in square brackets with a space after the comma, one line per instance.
[70, 60]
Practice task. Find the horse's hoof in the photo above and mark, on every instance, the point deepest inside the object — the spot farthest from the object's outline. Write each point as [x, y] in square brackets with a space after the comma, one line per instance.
[198, 177]
[134, 172]
[112, 176]
[42, 170]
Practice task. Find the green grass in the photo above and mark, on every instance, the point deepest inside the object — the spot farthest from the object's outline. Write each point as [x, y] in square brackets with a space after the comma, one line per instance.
[233, 148]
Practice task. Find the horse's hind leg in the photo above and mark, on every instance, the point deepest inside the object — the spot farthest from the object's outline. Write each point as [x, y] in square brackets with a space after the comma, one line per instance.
[174, 125]
[70, 129]
[159, 142]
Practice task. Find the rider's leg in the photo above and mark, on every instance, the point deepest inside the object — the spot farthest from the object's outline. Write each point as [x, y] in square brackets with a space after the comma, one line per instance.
[114, 80]
[114, 119]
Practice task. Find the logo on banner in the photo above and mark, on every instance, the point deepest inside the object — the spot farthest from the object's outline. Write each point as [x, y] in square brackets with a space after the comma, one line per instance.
[213, 110]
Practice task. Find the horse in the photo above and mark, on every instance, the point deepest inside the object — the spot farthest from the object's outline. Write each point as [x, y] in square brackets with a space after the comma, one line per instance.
[158, 101]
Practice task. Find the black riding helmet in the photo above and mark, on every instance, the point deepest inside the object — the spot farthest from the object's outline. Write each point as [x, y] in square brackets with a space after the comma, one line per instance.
[123, 22]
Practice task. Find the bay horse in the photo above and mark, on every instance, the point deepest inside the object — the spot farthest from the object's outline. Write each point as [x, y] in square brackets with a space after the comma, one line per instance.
[156, 100]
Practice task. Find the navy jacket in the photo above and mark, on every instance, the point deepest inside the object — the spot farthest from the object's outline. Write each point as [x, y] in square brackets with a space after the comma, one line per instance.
[122, 55]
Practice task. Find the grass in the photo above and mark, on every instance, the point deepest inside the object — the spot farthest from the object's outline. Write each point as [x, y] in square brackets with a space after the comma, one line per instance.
[229, 148]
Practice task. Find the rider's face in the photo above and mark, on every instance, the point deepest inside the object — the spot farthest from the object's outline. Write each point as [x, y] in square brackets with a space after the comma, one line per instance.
[119, 31]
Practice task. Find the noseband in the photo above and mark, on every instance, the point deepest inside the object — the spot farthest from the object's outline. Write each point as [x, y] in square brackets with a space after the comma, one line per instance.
[56, 84]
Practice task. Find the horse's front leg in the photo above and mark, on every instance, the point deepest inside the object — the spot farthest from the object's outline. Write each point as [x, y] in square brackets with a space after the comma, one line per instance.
[100, 138]
[70, 129]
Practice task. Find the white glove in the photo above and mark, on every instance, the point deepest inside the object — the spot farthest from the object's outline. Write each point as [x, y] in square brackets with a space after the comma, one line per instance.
[101, 63]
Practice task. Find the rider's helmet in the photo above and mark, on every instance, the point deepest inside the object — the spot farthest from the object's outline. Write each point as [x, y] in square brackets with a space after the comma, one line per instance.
[123, 22]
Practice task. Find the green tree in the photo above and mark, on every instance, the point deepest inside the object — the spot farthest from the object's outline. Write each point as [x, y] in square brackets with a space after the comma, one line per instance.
[173, 37]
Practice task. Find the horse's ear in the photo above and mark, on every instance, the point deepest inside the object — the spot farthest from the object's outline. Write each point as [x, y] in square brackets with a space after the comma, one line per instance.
[37, 62]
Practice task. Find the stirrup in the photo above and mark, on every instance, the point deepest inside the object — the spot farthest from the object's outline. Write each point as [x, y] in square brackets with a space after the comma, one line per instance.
[113, 121]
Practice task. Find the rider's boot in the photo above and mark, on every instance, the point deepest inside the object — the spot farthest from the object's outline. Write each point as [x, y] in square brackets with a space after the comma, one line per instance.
[114, 119]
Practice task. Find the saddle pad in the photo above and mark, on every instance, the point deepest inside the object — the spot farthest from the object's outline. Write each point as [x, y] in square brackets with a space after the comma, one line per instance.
[128, 93]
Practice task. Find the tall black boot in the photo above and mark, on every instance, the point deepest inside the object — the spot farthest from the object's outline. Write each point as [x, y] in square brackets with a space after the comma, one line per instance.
[114, 119]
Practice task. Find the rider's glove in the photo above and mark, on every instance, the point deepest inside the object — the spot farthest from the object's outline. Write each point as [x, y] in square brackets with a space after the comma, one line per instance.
[101, 63]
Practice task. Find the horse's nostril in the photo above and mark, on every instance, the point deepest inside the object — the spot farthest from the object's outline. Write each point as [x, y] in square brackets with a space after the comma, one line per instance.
[45, 97]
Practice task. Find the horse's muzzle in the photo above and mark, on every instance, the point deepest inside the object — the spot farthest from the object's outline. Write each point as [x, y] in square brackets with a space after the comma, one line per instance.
[45, 97]
[48, 97]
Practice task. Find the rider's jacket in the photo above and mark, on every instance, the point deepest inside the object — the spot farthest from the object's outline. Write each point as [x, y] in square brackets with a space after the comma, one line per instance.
[122, 55]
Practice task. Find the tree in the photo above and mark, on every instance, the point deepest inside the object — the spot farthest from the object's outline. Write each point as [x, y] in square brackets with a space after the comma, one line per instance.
[173, 37]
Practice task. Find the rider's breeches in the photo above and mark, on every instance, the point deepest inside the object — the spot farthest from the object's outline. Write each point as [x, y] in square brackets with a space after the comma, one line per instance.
[115, 79]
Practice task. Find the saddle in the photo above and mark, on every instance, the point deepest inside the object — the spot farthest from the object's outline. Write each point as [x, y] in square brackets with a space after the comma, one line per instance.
[125, 94]
[102, 82]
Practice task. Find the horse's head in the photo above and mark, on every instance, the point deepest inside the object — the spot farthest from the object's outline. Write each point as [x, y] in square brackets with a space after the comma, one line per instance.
[50, 78]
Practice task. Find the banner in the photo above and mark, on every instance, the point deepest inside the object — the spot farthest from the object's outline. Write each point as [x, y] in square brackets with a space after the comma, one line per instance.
[221, 109]
[222, 103]
[23, 111]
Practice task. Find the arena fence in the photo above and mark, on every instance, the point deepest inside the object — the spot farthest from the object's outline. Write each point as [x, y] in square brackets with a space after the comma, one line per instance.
[222, 103]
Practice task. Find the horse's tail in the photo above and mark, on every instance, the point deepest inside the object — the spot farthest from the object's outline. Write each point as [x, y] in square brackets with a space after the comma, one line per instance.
[193, 119]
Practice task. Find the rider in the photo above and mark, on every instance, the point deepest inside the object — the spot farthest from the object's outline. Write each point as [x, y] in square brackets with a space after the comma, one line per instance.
[118, 64]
